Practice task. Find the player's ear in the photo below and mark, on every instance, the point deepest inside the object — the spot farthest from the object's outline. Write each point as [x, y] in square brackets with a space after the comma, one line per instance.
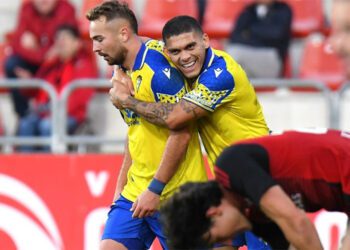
[213, 211]
[166, 51]
[206, 40]
[124, 33]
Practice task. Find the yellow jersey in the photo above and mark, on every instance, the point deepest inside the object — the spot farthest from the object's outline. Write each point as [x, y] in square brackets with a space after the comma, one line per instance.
[224, 90]
[156, 80]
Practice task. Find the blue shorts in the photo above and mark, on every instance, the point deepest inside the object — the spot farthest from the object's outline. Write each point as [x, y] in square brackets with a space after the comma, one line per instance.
[133, 233]
[250, 240]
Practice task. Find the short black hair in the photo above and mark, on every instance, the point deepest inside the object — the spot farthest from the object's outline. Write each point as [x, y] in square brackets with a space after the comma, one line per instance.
[179, 25]
[71, 29]
[184, 218]
[114, 9]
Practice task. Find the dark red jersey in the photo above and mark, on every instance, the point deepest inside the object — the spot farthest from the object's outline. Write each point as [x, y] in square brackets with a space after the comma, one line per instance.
[312, 167]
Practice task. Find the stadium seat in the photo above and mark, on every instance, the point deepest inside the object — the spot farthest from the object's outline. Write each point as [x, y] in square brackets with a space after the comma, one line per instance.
[220, 16]
[308, 17]
[319, 62]
[2, 59]
[88, 5]
[157, 12]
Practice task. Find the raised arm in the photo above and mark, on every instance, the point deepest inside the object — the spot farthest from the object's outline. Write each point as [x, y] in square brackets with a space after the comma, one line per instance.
[173, 116]
[294, 223]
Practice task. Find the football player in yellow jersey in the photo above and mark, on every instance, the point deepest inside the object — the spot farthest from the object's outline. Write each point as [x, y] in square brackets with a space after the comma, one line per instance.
[221, 99]
[157, 160]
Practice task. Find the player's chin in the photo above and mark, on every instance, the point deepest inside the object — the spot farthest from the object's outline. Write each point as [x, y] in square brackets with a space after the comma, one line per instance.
[191, 74]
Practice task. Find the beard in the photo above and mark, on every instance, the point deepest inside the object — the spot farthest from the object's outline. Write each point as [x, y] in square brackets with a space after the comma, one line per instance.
[118, 59]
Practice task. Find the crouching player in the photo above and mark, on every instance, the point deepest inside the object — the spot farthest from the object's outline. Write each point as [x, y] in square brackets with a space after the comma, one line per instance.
[265, 185]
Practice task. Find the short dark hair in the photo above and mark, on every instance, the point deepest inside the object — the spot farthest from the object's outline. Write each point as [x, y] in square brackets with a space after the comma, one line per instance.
[71, 29]
[179, 25]
[184, 218]
[113, 9]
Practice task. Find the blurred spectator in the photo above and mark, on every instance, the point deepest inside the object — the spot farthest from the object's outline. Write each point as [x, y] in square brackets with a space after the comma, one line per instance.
[32, 40]
[260, 39]
[73, 61]
[202, 4]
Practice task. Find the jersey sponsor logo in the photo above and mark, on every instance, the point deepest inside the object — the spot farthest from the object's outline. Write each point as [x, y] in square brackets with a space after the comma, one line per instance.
[166, 71]
[217, 72]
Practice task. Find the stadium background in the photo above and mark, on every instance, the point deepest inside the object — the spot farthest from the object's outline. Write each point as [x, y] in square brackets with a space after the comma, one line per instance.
[60, 201]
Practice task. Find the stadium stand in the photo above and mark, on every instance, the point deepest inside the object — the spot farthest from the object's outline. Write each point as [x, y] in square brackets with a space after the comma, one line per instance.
[102, 123]
[308, 17]
[319, 62]
[157, 12]
[220, 16]
[2, 58]
[86, 6]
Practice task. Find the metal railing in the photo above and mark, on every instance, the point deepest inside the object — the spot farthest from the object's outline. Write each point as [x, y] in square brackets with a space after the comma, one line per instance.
[333, 118]
[338, 101]
[60, 139]
[53, 140]
[81, 139]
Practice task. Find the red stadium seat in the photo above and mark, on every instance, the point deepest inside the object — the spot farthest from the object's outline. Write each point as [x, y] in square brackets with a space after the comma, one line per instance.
[319, 62]
[308, 16]
[220, 16]
[157, 12]
[2, 58]
[88, 5]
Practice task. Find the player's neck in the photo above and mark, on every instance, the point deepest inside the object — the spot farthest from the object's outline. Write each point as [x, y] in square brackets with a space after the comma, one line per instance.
[132, 51]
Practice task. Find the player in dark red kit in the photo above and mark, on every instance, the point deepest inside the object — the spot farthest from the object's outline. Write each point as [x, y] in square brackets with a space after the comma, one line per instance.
[266, 184]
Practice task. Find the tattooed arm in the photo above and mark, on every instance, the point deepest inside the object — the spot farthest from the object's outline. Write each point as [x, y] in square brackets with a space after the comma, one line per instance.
[173, 116]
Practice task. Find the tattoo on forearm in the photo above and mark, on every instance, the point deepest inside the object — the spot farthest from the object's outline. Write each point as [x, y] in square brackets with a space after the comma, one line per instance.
[189, 108]
[153, 112]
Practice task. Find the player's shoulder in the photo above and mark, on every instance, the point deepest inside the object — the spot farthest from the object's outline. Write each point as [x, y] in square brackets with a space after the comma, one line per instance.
[156, 60]
[155, 45]
[216, 73]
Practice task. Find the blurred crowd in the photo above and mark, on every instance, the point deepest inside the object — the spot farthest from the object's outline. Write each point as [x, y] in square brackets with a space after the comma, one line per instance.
[51, 42]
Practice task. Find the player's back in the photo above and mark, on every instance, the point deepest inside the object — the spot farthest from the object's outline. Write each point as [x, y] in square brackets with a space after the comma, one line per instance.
[311, 166]
[155, 80]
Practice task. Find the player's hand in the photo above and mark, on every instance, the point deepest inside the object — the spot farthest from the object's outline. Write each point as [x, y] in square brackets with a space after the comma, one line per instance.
[145, 205]
[122, 78]
[121, 88]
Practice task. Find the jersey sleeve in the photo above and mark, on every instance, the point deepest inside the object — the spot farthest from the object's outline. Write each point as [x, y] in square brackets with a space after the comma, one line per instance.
[212, 87]
[168, 85]
[155, 44]
[244, 169]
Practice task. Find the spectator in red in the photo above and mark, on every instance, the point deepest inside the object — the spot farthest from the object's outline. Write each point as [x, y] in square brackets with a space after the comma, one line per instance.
[73, 61]
[32, 40]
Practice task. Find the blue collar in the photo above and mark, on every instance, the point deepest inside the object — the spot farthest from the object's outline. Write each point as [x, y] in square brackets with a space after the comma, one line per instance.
[209, 57]
[140, 58]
